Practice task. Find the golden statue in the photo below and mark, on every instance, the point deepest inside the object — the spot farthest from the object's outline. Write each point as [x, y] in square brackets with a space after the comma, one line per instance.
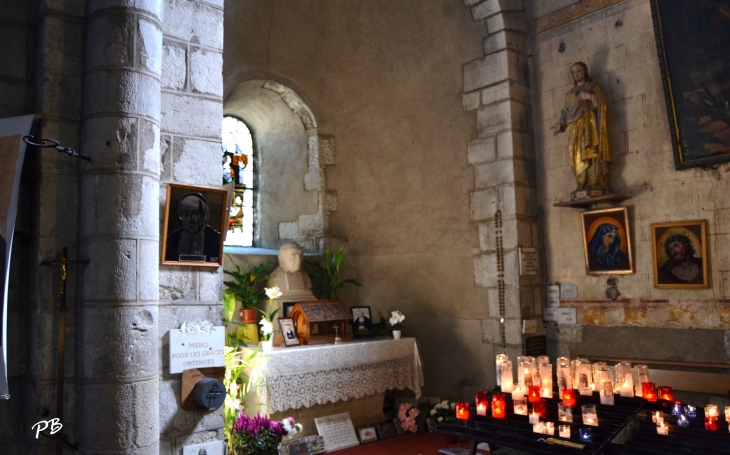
[584, 118]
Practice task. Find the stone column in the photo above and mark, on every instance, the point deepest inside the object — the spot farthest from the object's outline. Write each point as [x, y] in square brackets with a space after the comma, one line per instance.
[118, 342]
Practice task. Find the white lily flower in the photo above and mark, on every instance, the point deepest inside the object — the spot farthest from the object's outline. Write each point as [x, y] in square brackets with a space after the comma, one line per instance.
[273, 293]
[267, 327]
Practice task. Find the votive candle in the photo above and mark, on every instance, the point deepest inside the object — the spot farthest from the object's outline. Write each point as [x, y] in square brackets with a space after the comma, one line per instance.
[534, 418]
[665, 393]
[585, 434]
[462, 410]
[682, 421]
[518, 392]
[520, 405]
[648, 391]
[507, 383]
[498, 364]
[657, 417]
[711, 416]
[662, 428]
[540, 407]
[606, 393]
[568, 396]
[533, 393]
[624, 379]
[565, 380]
[565, 414]
[642, 375]
[677, 408]
[690, 411]
[499, 406]
[538, 427]
[564, 431]
[727, 416]
[546, 380]
[550, 428]
[482, 403]
[590, 416]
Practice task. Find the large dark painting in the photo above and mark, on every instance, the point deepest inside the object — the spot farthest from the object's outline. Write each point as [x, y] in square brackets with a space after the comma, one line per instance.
[693, 39]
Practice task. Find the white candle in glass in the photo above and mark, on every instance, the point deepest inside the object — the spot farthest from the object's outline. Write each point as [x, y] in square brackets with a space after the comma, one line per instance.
[590, 416]
[662, 428]
[520, 405]
[518, 392]
[657, 417]
[539, 427]
[498, 360]
[565, 413]
[564, 431]
[550, 428]
[546, 379]
[534, 418]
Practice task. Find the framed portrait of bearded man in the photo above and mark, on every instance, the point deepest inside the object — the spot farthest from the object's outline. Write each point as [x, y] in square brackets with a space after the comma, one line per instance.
[607, 241]
[194, 219]
[680, 255]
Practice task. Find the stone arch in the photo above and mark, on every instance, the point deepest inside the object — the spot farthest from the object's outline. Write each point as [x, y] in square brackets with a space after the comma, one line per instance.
[497, 87]
[294, 203]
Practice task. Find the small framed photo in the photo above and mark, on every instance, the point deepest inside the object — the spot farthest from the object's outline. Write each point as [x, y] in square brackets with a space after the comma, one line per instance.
[286, 308]
[362, 322]
[367, 434]
[194, 219]
[607, 241]
[289, 332]
[386, 430]
[679, 252]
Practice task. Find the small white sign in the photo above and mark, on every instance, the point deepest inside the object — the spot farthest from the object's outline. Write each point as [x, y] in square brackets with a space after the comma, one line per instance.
[528, 261]
[529, 326]
[337, 431]
[568, 291]
[553, 296]
[209, 448]
[550, 314]
[567, 316]
[196, 345]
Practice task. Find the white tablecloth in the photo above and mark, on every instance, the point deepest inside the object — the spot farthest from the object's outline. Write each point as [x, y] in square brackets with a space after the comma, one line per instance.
[303, 376]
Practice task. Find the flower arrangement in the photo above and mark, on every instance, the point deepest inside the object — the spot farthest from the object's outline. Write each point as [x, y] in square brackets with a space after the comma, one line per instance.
[267, 319]
[396, 318]
[260, 436]
[244, 284]
[443, 409]
[407, 415]
[237, 384]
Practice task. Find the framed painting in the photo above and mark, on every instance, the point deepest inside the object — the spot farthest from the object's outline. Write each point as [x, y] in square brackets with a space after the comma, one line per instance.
[367, 434]
[607, 241]
[692, 40]
[288, 332]
[679, 252]
[195, 217]
[362, 322]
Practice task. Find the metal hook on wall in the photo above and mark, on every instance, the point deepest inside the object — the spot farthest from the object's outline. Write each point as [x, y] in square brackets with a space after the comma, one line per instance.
[52, 143]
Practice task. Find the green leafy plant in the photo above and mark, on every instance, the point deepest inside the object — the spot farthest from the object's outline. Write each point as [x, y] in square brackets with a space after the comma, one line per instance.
[245, 286]
[326, 280]
[238, 386]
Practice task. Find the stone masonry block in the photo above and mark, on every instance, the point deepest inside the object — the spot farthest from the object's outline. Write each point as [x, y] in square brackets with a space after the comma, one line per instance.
[469, 3]
[327, 151]
[170, 415]
[120, 205]
[511, 268]
[123, 92]
[507, 21]
[494, 173]
[275, 87]
[113, 278]
[496, 93]
[166, 158]
[310, 225]
[511, 302]
[487, 237]
[111, 143]
[67, 58]
[313, 178]
[148, 47]
[149, 147]
[307, 118]
[119, 342]
[515, 144]
[61, 94]
[176, 284]
[196, 162]
[330, 201]
[506, 40]
[111, 40]
[491, 331]
[503, 116]
[194, 22]
[211, 286]
[153, 7]
[174, 65]
[492, 7]
[149, 270]
[481, 150]
[484, 203]
[486, 71]
[313, 151]
[289, 231]
[192, 116]
[205, 71]
[485, 270]
[470, 101]
[513, 331]
[134, 424]
[292, 100]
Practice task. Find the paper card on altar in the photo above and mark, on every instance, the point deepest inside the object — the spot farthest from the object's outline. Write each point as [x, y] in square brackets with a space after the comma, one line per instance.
[337, 431]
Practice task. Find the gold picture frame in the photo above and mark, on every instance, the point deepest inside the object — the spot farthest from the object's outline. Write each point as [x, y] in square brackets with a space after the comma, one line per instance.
[607, 241]
[206, 212]
[674, 248]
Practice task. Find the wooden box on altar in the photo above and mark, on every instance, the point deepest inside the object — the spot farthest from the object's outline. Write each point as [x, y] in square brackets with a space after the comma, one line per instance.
[316, 321]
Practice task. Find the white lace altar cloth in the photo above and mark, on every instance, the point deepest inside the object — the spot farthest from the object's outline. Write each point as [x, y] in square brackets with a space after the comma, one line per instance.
[304, 376]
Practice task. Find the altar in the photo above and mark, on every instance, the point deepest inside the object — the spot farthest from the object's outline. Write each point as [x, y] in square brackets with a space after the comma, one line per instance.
[314, 381]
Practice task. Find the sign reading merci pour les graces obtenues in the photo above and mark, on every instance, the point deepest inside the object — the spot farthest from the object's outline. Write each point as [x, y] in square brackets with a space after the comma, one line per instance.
[196, 345]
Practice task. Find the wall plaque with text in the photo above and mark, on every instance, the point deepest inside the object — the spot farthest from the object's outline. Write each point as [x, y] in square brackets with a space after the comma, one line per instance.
[528, 261]
[196, 345]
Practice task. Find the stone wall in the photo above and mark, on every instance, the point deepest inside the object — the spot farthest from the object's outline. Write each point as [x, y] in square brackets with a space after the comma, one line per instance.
[190, 135]
[618, 45]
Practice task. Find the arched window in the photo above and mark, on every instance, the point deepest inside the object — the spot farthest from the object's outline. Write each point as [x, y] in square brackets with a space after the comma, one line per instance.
[238, 169]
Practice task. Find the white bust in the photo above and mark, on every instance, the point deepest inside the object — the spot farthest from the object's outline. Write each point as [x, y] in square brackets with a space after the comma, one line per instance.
[289, 277]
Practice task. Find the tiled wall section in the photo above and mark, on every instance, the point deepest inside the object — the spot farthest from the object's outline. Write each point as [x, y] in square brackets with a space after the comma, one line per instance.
[617, 44]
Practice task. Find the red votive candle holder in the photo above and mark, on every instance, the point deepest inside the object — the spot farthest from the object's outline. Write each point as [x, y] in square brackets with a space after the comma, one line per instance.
[533, 393]
[462, 410]
[482, 403]
[499, 406]
[648, 391]
[665, 393]
[710, 423]
[568, 396]
[540, 408]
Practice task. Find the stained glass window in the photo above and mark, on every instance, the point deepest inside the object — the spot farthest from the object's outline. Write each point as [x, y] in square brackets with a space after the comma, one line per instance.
[238, 168]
